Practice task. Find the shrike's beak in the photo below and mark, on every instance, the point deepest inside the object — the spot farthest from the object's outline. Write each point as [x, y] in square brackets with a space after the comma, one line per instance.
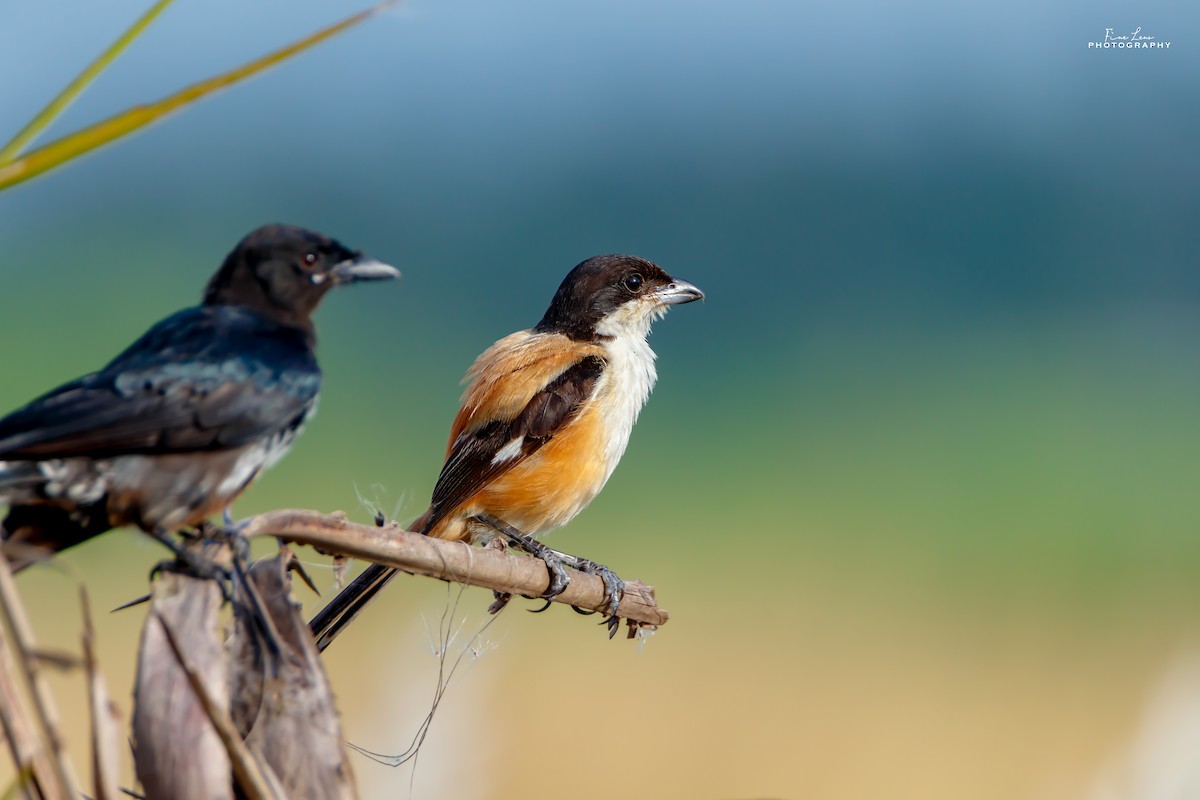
[679, 291]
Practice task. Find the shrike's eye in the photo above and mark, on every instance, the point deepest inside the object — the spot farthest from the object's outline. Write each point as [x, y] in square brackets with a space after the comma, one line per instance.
[633, 283]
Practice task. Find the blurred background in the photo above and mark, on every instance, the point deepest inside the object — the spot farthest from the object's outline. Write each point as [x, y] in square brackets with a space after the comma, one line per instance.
[918, 484]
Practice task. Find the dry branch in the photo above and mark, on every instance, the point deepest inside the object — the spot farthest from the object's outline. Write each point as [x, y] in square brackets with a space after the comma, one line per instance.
[455, 561]
[177, 751]
[282, 703]
[106, 721]
[254, 779]
[256, 710]
[28, 715]
[32, 760]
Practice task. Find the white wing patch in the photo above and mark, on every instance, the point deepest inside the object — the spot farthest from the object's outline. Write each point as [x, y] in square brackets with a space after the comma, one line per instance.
[509, 451]
[74, 479]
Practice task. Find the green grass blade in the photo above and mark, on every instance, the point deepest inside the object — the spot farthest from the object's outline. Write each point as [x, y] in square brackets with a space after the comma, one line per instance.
[69, 147]
[64, 98]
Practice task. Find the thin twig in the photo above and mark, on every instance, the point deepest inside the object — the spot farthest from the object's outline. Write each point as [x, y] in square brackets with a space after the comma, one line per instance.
[55, 778]
[455, 561]
[17, 727]
[106, 721]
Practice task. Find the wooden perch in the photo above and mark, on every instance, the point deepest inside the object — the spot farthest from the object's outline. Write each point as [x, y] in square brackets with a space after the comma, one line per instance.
[253, 717]
[454, 561]
[177, 751]
[282, 703]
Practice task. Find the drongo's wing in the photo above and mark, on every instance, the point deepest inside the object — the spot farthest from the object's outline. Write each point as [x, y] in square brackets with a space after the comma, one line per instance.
[207, 378]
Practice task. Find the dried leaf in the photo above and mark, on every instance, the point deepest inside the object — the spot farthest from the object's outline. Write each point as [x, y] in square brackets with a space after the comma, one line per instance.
[281, 698]
[177, 752]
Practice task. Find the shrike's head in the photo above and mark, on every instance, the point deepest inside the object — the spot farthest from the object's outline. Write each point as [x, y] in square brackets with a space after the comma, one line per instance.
[614, 296]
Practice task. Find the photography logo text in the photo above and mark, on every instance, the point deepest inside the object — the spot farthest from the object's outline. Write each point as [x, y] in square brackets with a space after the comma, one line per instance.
[1128, 41]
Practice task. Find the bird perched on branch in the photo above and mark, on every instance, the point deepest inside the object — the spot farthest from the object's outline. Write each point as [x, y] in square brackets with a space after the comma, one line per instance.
[544, 420]
[178, 425]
